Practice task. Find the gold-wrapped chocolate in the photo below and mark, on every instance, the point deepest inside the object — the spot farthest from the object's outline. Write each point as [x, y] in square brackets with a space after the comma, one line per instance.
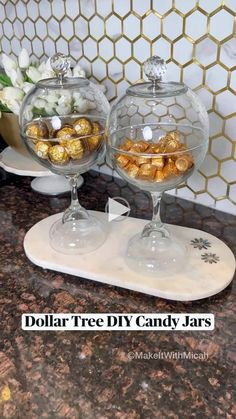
[42, 148]
[170, 169]
[58, 154]
[37, 130]
[132, 169]
[158, 162]
[159, 176]
[174, 135]
[95, 139]
[122, 160]
[147, 172]
[183, 163]
[66, 132]
[127, 144]
[141, 160]
[74, 148]
[83, 126]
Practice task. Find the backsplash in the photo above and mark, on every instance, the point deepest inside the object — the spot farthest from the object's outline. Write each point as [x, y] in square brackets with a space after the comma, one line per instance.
[111, 40]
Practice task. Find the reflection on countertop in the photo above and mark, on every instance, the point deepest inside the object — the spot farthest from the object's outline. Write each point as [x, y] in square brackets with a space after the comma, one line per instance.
[89, 374]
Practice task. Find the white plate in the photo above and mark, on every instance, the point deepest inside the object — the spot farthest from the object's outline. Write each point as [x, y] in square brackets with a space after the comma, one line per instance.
[202, 277]
[16, 163]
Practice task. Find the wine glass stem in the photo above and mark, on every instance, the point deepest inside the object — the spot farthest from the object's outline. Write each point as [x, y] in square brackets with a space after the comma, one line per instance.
[156, 215]
[74, 193]
[156, 227]
[75, 211]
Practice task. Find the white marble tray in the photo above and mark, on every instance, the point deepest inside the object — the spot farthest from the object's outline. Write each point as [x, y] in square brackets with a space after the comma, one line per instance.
[208, 271]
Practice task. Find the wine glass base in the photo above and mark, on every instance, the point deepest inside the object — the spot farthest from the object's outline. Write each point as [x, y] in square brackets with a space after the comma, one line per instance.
[77, 236]
[155, 255]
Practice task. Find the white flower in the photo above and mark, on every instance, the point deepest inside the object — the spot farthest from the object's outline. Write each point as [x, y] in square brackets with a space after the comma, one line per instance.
[65, 99]
[39, 103]
[33, 74]
[52, 97]
[27, 86]
[12, 93]
[12, 98]
[23, 59]
[8, 64]
[63, 109]
[50, 108]
[16, 77]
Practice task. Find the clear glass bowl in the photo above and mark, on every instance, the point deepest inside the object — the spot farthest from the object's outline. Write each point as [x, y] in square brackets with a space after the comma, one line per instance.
[157, 137]
[62, 122]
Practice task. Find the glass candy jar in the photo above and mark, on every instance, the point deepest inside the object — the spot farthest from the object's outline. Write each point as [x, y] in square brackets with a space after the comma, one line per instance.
[157, 137]
[62, 123]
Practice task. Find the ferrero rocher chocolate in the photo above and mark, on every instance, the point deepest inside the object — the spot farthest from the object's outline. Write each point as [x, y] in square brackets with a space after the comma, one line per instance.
[83, 126]
[74, 148]
[66, 132]
[42, 148]
[58, 154]
[37, 130]
[95, 139]
[172, 158]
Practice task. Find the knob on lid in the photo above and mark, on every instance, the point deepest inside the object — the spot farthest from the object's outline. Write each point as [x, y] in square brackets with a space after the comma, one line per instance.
[154, 68]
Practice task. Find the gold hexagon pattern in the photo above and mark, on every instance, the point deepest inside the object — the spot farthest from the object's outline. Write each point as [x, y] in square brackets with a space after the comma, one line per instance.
[112, 38]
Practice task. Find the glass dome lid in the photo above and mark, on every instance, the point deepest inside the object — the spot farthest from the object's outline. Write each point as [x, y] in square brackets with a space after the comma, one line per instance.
[60, 101]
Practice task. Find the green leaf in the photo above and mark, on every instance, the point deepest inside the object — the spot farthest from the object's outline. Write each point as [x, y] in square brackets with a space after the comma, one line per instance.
[4, 108]
[39, 112]
[5, 80]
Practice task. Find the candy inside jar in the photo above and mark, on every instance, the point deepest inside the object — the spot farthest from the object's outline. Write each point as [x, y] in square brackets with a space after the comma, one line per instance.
[62, 124]
[76, 142]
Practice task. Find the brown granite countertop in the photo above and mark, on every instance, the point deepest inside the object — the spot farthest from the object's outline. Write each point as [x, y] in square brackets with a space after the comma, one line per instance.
[89, 375]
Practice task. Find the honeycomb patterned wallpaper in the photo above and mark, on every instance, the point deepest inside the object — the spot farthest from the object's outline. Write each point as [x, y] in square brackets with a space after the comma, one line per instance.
[112, 38]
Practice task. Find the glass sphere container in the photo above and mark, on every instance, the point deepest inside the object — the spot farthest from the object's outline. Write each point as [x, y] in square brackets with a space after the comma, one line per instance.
[157, 137]
[62, 122]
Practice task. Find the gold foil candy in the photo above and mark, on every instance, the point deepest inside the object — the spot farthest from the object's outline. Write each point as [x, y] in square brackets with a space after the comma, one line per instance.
[147, 172]
[83, 126]
[94, 140]
[144, 145]
[170, 169]
[65, 132]
[58, 154]
[132, 169]
[174, 135]
[74, 148]
[122, 160]
[159, 176]
[183, 163]
[37, 130]
[171, 145]
[158, 162]
[142, 160]
[42, 148]
[126, 145]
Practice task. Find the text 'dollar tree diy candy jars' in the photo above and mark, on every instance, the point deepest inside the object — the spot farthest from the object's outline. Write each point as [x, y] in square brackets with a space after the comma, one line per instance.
[68, 139]
[157, 136]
